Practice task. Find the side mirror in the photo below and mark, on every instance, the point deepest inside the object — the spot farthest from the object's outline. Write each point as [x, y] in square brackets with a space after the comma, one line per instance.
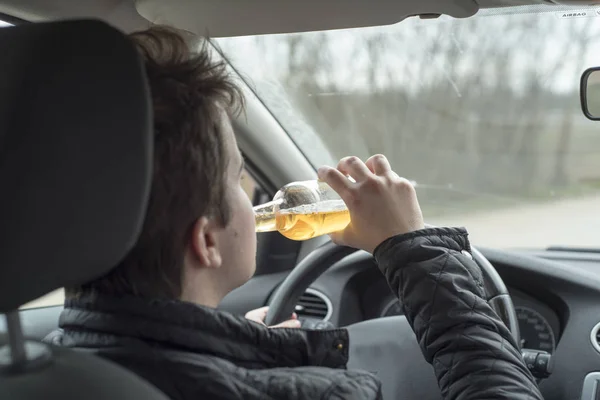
[590, 93]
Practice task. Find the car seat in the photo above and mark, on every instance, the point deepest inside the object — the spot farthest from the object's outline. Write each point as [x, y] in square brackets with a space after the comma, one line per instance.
[75, 174]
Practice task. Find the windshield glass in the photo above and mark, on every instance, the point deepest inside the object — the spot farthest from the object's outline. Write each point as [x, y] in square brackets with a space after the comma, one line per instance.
[482, 113]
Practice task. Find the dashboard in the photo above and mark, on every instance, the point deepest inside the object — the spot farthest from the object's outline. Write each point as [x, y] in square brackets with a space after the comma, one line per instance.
[556, 295]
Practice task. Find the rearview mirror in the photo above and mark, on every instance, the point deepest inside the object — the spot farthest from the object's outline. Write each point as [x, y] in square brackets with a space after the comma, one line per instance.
[590, 93]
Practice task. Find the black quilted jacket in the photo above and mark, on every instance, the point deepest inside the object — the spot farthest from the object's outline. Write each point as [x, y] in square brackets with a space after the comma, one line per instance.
[191, 352]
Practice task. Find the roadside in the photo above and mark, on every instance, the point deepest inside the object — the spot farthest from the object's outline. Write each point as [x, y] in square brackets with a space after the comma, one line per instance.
[571, 222]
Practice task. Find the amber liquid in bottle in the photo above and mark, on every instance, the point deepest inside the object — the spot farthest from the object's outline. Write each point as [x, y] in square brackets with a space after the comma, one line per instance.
[303, 210]
[306, 222]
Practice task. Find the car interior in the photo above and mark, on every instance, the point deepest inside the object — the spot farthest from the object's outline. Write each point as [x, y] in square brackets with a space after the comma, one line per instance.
[486, 104]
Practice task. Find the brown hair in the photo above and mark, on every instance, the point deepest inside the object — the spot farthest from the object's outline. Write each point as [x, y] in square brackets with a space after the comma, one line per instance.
[190, 92]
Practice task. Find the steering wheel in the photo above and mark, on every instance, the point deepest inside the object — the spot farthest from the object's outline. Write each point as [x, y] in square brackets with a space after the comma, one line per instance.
[386, 346]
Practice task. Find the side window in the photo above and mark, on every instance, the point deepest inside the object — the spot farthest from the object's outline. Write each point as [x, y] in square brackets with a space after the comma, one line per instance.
[54, 298]
[252, 188]
[249, 185]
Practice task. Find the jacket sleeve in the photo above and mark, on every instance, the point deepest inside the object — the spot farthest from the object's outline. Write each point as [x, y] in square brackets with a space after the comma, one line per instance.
[441, 290]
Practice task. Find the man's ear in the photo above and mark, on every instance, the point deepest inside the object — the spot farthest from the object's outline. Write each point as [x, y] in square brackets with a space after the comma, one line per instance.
[205, 244]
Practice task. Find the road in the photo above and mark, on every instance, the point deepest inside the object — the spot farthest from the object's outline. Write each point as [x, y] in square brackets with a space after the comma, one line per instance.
[566, 222]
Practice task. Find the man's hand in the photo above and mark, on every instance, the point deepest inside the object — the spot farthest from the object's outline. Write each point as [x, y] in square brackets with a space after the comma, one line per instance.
[260, 314]
[381, 203]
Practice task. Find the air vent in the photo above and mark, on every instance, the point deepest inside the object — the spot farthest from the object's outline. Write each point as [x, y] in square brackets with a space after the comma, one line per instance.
[595, 337]
[314, 304]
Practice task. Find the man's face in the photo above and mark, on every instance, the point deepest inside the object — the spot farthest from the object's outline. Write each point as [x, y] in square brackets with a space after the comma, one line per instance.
[238, 239]
[222, 257]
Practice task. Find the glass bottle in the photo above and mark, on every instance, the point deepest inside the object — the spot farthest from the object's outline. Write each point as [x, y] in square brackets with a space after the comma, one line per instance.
[303, 210]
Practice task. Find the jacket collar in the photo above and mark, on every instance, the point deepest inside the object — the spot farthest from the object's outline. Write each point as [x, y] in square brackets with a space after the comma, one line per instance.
[102, 321]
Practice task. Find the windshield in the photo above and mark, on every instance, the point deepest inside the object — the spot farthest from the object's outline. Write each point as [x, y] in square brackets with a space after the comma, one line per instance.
[482, 113]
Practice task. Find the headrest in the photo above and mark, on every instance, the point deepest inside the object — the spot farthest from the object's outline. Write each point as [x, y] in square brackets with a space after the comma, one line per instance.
[75, 155]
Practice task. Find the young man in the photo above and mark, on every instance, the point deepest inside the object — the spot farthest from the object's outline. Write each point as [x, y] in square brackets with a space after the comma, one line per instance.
[155, 312]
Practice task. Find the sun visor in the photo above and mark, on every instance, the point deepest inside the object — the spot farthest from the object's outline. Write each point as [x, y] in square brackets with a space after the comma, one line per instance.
[238, 18]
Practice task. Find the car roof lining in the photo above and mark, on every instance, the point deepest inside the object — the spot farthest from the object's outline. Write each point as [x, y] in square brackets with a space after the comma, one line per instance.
[234, 18]
[119, 13]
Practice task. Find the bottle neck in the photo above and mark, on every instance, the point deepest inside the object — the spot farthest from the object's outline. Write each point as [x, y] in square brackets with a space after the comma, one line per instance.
[265, 216]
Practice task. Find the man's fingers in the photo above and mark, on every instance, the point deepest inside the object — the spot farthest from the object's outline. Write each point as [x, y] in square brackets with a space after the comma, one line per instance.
[257, 315]
[260, 314]
[335, 179]
[290, 323]
[354, 167]
[379, 164]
